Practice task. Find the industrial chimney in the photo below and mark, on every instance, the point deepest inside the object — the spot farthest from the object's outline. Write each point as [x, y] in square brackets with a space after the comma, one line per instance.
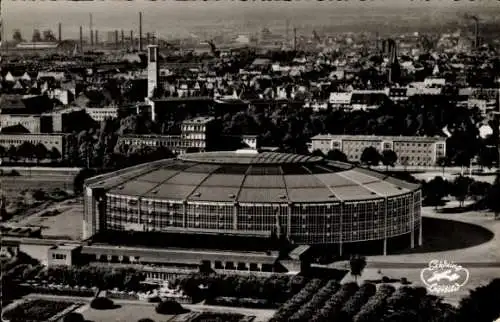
[60, 32]
[91, 31]
[81, 39]
[476, 33]
[132, 39]
[123, 39]
[147, 38]
[140, 31]
[97, 37]
[117, 42]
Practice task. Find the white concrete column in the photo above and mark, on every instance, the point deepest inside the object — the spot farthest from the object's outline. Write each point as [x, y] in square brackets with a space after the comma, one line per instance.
[153, 112]
[385, 246]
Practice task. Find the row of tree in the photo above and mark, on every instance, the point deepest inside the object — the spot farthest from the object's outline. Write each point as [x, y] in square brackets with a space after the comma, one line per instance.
[297, 301]
[29, 152]
[91, 276]
[275, 289]
[307, 311]
[461, 188]
[350, 303]
[370, 156]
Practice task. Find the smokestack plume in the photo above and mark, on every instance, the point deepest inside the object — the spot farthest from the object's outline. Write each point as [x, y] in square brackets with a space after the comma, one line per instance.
[60, 32]
[140, 31]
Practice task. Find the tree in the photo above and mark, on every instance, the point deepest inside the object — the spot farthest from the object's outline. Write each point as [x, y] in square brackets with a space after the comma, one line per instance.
[169, 307]
[12, 153]
[336, 155]
[37, 37]
[389, 158]
[370, 156]
[54, 154]
[26, 150]
[493, 199]
[102, 303]
[357, 264]
[74, 317]
[482, 304]
[461, 189]
[80, 178]
[40, 152]
[17, 36]
[442, 162]
[3, 153]
[435, 190]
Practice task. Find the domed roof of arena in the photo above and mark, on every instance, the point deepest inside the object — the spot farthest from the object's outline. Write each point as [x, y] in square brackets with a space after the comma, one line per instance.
[250, 177]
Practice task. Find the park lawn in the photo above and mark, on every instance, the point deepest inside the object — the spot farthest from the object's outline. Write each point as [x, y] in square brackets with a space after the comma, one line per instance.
[65, 225]
[125, 313]
[36, 310]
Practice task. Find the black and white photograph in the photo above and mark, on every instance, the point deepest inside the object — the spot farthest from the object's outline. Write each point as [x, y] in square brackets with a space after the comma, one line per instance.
[250, 161]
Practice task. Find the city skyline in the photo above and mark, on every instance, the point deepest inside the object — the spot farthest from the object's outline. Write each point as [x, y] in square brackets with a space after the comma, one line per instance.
[162, 17]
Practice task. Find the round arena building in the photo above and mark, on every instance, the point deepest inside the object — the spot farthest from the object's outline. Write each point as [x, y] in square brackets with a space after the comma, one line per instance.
[306, 199]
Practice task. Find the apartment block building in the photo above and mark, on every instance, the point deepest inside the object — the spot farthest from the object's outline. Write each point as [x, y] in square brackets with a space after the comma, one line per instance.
[197, 133]
[411, 150]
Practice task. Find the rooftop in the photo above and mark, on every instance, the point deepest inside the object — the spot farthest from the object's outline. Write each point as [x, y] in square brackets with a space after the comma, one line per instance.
[267, 177]
[378, 138]
[247, 157]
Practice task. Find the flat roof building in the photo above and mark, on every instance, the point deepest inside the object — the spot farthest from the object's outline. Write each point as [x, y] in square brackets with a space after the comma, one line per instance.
[305, 199]
[410, 150]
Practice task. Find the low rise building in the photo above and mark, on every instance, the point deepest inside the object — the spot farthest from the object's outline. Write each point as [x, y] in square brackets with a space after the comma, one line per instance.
[411, 150]
[50, 141]
[172, 142]
[32, 123]
[99, 114]
[63, 255]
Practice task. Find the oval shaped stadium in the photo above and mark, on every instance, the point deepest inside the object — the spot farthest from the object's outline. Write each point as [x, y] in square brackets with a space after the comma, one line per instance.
[306, 199]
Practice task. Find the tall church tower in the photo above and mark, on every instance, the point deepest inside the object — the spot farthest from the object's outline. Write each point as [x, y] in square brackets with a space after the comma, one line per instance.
[153, 70]
[394, 71]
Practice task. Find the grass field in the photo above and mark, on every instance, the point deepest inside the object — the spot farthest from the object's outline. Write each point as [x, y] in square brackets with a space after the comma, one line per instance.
[65, 225]
[36, 310]
[61, 220]
[125, 313]
[128, 312]
[12, 186]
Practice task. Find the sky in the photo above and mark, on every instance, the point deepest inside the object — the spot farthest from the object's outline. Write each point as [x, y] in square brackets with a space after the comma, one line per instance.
[174, 17]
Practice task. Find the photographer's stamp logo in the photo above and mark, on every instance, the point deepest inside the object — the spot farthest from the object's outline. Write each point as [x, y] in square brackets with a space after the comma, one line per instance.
[444, 277]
